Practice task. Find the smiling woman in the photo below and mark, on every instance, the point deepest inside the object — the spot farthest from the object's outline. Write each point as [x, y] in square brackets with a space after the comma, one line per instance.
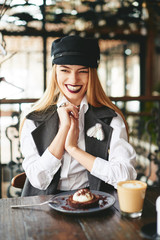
[73, 81]
[60, 139]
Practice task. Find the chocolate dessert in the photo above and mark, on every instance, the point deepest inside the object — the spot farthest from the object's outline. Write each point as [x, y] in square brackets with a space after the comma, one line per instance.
[83, 198]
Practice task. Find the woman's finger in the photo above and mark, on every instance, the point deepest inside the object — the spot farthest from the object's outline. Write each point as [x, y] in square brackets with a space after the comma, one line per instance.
[70, 109]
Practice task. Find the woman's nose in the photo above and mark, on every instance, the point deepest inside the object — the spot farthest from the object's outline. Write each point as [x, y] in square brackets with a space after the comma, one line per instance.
[74, 77]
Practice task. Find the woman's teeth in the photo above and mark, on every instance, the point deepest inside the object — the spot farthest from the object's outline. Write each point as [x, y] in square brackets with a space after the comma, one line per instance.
[73, 88]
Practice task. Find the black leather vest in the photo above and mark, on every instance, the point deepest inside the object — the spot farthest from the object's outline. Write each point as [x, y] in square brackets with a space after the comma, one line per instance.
[47, 126]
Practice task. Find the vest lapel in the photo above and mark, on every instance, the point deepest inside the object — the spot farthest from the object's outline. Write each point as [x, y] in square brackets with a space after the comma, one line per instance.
[45, 132]
[95, 147]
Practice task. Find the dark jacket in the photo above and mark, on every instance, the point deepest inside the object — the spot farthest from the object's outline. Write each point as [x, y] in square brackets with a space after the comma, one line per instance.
[47, 126]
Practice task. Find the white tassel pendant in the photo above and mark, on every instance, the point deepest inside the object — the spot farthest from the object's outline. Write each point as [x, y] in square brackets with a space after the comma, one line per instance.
[96, 132]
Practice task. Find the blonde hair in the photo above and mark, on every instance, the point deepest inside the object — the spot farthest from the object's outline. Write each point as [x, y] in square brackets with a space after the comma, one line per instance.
[95, 95]
[50, 96]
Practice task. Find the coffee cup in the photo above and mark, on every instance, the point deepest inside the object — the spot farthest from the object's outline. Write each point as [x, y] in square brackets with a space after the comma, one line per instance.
[131, 196]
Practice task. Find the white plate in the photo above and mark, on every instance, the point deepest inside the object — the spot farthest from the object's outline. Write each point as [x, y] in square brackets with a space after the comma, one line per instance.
[61, 205]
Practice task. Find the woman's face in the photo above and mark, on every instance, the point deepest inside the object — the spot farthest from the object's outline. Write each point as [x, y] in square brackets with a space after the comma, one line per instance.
[72, 81]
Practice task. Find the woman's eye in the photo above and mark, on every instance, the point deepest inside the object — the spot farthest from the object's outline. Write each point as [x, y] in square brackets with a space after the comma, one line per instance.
[84, 71]
[63, 70]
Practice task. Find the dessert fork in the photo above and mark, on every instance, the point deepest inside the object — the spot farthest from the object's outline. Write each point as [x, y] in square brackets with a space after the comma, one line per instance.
[34, 204]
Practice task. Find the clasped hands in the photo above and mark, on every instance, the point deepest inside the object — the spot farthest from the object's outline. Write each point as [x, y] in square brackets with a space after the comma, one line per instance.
[69, 122]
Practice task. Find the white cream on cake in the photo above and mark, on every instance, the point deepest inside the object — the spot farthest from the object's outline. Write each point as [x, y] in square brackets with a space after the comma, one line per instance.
[132, 185]
[83, 195]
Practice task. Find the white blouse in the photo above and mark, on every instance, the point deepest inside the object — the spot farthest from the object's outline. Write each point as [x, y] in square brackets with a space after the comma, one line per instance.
[40, 170]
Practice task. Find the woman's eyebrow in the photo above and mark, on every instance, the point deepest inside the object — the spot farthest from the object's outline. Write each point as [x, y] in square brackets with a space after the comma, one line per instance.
[84, 68]
[64, 66]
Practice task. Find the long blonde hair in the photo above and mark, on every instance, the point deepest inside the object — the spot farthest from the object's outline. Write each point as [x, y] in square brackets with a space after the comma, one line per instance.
[95, 95]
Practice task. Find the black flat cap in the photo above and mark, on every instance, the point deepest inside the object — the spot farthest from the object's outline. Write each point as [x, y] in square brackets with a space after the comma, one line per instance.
[75, 50]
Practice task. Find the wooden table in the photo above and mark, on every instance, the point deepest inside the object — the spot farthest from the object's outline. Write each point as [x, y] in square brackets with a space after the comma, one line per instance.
[45, 223]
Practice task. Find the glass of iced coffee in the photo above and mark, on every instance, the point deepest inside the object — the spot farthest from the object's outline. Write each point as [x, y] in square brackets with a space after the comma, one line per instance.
[131, 196]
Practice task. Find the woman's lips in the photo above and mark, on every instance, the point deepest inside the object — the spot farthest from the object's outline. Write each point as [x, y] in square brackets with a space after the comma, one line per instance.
[73, 88]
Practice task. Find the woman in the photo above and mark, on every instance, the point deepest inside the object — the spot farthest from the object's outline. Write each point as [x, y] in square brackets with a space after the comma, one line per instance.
[74, 136]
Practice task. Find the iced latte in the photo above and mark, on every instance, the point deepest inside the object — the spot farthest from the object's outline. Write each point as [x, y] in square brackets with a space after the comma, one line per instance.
[131, 196]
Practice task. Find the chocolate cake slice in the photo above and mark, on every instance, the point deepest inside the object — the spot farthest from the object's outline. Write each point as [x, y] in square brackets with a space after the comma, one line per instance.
[83, 198]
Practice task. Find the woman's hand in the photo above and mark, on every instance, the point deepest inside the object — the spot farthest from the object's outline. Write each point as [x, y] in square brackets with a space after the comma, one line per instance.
[65, 112]
[84, 158]
[73, 134]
